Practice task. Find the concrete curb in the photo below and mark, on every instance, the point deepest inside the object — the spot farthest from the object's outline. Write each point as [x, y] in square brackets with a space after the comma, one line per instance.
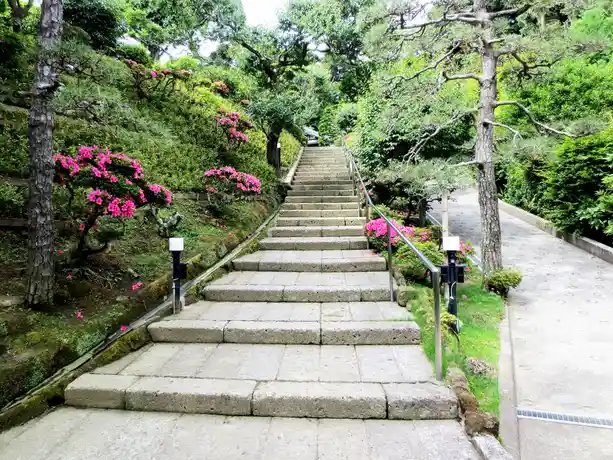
[489, 448]
[595, 248]
[292, 172]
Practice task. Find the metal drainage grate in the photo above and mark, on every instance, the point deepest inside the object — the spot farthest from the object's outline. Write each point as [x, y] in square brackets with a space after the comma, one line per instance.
[556, 417]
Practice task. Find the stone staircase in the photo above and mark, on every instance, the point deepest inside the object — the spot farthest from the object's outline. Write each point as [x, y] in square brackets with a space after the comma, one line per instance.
[302, 328]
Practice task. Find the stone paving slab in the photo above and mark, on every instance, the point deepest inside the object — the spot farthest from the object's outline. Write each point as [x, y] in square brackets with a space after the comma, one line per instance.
[316, 231]
[320, 199]
[298, 398]
[299, 287]
[312, 261]
[288, 311]
[262, 362]
[314, 243]
[326, 192]
[319, 213]
[321, 222]
[287, 332]
[348, 205]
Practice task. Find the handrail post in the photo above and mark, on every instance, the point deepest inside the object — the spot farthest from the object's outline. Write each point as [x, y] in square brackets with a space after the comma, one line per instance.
[438, 344]
[389, 261]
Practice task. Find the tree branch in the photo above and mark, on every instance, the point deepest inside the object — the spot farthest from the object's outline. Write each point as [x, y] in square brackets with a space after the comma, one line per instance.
[510, 12]
[432, 66]
[516, 134]
[462, 76]
[540, 126]
[527, 67]
[425, 138]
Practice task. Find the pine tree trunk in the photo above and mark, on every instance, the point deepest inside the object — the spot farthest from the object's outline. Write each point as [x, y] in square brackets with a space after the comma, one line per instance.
[273, 154]
[41, 270]
[491, 241]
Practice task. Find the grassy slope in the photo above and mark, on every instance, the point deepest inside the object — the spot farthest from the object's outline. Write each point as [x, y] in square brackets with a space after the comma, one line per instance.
[176, 142]
[480, 313]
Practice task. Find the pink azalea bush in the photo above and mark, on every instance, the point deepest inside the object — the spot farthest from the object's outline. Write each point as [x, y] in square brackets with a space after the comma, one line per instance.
[226, 184]
[234, 127]
[106, 184]
[376, 231]
[221, 87]
[148, 81]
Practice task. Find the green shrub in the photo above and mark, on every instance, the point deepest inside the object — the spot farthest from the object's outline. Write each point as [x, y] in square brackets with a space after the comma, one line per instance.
[328, 128]
[101, 19]
[411, 267]
[290, 148]
[12, 200]
[135, 53]
[389, 213]
[576, 180]
[500, 281]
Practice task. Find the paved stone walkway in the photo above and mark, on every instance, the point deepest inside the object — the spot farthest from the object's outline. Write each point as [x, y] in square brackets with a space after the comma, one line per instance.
[299, 354]
[561, 320]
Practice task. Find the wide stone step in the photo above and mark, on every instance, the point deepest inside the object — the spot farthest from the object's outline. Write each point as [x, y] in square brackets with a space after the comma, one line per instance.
[314, 243]
[320, 213]
[331, 312]
[321, 206]
[355, 230]
[318, 381]
[320, 199]
[326, 192]
[311, 261]
[287, 332]
[321, 182]
[323, 170]
[299, 287]
[330, 186]
[69, 433]
[321, 222]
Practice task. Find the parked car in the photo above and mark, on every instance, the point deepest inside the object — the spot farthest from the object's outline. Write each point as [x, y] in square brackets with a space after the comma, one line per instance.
[312, 136]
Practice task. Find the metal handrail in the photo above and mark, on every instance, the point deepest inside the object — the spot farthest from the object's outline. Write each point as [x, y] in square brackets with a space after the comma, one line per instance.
[435, 272]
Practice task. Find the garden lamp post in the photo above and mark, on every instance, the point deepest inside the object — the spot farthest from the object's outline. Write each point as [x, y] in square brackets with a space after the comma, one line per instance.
[453, 273]
[179, 272]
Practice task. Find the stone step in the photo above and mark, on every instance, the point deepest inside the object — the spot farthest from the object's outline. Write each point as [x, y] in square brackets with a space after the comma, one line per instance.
[305, 243]
[327, 176]
[331, 186]
[321, 206]
[287, 332]
[299, 287]
[319, 381]
[305, 213]
[326, 192]
[312, 261]
[355, 230]
[323, 170]
[320, 199]
[321, 182]
[320, 222]
[321, 162]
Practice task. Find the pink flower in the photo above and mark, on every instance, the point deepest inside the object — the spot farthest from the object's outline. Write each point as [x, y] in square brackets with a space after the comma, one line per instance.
[113, 179]
[123, 328]
[60, 251]
[137, 286]
[79, 315]
[128, 182]
[465, 297]
[82, 227]
[153, 74]
[467, 269]
[69, 277]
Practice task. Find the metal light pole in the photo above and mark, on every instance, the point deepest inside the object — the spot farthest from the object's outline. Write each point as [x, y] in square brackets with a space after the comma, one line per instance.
[453, 273]
[179, 272]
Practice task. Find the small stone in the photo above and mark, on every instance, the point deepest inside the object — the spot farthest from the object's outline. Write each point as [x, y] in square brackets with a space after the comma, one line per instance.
[404, 294]
[477, 421]
[480, 367]
[122, 299]
[132, 273]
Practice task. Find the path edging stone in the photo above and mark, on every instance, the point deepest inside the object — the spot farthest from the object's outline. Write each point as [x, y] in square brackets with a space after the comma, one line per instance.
[595, 248]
